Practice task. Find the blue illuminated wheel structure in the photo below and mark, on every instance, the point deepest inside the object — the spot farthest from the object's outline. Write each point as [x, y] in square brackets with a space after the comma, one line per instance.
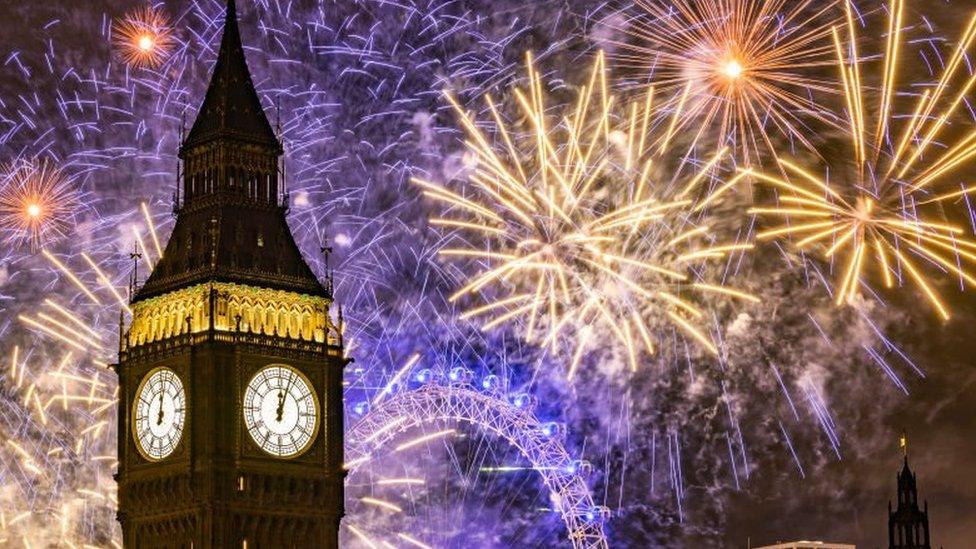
[384, 430]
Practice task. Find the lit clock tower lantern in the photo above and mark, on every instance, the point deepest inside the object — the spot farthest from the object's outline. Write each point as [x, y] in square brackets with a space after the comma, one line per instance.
[230, 404]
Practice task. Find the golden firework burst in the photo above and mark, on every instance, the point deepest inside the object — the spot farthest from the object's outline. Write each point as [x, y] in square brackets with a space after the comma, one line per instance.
[874, 214]
[567, 229]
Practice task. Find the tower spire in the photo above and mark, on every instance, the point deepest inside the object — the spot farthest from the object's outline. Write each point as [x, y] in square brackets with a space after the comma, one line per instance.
[908, 523]
[230, 19]
[231, 224]
[231, 108]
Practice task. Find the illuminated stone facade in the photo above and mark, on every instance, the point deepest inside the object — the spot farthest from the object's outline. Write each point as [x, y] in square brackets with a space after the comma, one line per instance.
[239, 308]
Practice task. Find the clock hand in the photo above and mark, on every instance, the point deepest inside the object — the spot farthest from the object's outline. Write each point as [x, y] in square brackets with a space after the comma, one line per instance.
[281, 406]
[281, 398]
[291, 381]
[159, 418]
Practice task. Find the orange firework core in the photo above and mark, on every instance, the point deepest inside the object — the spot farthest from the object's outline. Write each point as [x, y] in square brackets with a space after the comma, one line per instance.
[732, 69]
[34, 210]
[146, 42]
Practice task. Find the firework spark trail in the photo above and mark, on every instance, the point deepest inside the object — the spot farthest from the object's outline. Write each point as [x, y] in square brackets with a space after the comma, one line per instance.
[41, 424]
[569, 245]
[822, 413]
[789, 444]
[875, 216]
[745, 71]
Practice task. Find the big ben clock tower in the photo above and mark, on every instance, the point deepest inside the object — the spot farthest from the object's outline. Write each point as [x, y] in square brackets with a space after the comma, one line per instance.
[230, 403]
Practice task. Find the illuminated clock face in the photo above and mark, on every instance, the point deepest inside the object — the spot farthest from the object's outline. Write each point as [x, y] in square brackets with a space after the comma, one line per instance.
[159, 413]
[281, 410]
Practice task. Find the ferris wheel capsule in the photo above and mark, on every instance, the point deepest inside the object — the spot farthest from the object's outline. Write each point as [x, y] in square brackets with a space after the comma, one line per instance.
[525, 401]
[492, 383]
[460, 375]
[360, 408]
[553, 429]
[423, 377]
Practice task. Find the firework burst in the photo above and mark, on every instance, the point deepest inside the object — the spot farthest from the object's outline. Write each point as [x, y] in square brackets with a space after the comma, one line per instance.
[568, 229]
[143, 38]
[745, 67]
[59, 412]
[876, 218]
[37, 202]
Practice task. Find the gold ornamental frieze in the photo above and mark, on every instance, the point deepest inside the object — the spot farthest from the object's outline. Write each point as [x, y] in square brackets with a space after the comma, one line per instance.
[236, 308]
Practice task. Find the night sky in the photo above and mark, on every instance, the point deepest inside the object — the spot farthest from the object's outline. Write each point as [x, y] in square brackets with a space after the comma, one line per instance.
[358, 84]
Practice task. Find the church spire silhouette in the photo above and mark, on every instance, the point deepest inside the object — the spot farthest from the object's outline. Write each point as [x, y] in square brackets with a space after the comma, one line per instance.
[908, 524]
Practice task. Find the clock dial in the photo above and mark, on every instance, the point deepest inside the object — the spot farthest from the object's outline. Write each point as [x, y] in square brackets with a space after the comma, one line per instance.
[158, 414]
[281, 410]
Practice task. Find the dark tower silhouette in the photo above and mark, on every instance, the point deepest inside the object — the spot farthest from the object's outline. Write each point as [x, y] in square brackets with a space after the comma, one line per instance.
[231, 416]
[908, 525]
